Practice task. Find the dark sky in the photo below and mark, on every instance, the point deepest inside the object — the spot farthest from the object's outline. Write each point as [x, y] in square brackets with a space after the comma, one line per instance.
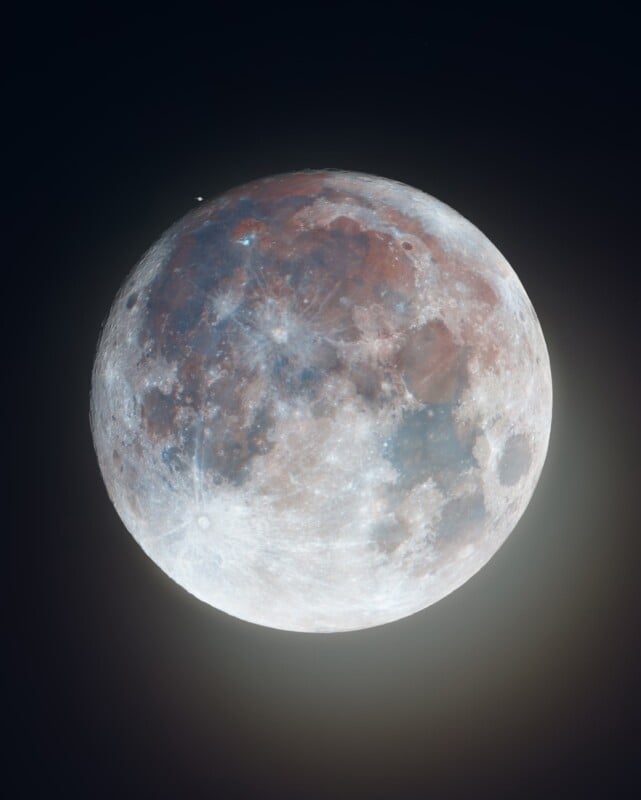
[523, 683]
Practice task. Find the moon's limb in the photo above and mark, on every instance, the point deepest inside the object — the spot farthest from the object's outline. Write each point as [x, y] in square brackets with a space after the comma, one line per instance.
[322, 401]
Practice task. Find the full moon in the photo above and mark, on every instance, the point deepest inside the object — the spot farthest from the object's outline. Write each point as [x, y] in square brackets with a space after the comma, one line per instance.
[321, 401]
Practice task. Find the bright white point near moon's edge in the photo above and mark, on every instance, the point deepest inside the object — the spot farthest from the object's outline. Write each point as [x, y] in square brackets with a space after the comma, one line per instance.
[321, 401]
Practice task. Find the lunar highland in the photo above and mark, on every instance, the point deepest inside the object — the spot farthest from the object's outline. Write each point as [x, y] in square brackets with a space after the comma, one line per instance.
[321, 401]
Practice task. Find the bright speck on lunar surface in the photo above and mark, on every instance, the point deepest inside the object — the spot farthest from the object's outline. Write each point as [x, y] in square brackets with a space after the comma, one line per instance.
[321, 401]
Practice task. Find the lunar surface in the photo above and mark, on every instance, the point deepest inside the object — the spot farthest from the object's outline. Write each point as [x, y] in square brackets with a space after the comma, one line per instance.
[321, 401]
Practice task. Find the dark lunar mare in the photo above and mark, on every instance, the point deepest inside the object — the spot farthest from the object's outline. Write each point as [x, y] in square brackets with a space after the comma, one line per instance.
[222, 253]
[426, 445]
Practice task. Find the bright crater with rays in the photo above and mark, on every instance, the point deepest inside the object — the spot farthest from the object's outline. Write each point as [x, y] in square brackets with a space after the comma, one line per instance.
[321, 401]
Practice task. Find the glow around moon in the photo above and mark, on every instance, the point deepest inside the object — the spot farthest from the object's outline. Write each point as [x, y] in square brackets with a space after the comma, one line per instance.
[321, 401]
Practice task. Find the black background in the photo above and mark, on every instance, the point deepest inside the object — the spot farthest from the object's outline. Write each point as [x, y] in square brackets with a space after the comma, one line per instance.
[523, 683]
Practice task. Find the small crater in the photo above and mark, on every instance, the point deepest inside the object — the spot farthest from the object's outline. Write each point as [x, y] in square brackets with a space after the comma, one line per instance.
[131, 300]
[407, 246]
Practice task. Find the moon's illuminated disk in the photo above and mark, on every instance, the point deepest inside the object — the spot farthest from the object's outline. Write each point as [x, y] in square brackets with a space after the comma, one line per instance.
[321, 401]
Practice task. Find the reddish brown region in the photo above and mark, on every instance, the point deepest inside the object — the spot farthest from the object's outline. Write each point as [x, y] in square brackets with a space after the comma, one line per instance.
[433, 366]
[271, 299]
